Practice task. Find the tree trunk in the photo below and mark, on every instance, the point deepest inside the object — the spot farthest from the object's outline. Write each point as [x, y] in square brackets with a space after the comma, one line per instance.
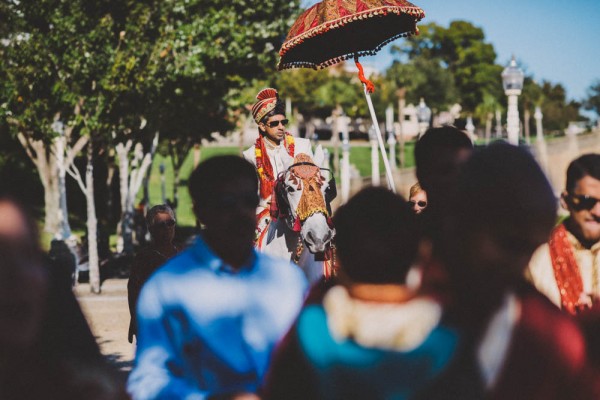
[132, 173]
[92, 226]
[44, 160]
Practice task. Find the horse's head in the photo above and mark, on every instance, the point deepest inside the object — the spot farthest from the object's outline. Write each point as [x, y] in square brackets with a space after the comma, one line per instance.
[302, 196]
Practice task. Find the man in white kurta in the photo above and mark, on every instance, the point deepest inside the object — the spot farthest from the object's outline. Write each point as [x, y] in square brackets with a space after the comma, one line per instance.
[268, 152]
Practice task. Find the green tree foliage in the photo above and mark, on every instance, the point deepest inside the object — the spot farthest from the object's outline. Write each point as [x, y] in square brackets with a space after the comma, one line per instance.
[461, 52]
[556, 109]
[424, 77]
[317, 93]
[116, 69]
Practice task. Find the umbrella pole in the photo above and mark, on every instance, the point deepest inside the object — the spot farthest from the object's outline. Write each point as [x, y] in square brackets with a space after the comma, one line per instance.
[388, 170]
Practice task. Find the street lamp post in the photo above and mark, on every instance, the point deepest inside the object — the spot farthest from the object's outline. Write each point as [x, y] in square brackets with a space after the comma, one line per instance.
[374, 157]
[401, 103]
[512, 81]
[345, 167]
[423, 116]
[389, 127]
[470, 128]
[538, 123]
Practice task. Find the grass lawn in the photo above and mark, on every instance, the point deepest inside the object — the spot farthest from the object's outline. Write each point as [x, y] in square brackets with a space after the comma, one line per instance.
[360, 156]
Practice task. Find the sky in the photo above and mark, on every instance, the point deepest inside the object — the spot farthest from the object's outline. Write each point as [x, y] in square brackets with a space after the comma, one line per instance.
[552, 40]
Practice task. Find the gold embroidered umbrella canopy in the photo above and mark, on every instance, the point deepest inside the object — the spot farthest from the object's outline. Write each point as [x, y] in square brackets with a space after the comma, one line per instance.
[332, 31]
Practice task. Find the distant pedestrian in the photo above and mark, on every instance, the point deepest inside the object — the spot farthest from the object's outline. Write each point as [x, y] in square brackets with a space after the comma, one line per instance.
[417, 198]
[160, 222]
[63, 261]
[209, 319]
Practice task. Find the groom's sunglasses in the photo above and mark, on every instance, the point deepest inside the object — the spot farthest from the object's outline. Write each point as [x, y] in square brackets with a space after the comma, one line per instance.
[582, 202]
[274, 124]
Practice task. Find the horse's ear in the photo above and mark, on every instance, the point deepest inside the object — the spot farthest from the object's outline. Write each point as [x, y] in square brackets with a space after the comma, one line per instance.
[319, 156]
[286, 159]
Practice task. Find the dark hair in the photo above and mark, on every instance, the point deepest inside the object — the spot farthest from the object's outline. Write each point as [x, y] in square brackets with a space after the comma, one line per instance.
[586, 165]
[503, 186]
[435, 152]
[376, 237]
[210, 174]
[278, 110]
[158, 209]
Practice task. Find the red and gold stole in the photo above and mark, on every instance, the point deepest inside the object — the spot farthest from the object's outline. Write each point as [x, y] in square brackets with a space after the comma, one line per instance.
[263, 163]
[566, 271]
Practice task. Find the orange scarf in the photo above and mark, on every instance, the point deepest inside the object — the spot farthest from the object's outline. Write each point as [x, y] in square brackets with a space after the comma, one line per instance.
[566, 271]
[263, 164]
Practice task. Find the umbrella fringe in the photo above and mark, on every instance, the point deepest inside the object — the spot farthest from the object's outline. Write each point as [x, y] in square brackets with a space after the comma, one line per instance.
[338, 59]
[416, 12]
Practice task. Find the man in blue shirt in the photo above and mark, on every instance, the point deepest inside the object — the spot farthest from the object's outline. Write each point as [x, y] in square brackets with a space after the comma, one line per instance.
[209, 319]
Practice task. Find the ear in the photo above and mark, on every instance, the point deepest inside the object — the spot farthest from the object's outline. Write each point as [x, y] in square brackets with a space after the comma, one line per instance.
[319, 156]
[563, 200]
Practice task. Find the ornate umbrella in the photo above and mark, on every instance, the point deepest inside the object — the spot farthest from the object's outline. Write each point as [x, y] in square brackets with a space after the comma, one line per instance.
[332, 31]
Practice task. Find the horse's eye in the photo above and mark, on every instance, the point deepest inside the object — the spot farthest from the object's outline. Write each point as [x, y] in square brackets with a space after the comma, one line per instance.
[290, 189]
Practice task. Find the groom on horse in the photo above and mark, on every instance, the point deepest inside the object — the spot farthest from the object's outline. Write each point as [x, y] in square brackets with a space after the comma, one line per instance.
[266, 153]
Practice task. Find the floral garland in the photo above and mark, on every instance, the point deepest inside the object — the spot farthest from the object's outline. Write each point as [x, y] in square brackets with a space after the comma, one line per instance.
[566, 270]
[263, 163]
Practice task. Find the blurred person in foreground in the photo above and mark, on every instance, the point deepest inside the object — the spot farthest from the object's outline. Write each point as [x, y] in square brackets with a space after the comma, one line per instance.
[439, 157]
[514, 343]
[47, 350]
[567, 268]
[208, 319]
[417, 198]
[373, 336]
[160, 221]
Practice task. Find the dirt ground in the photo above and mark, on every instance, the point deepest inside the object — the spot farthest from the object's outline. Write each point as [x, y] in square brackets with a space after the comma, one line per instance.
[108, 317]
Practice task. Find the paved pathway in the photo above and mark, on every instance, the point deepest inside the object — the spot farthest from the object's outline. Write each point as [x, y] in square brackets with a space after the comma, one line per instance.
[108, 317]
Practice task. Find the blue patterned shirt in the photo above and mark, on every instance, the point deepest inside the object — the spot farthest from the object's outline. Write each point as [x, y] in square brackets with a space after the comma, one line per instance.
[208, 329]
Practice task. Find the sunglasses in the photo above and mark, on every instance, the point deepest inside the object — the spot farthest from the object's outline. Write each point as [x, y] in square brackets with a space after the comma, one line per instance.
[165, 224]
[274, 124]
[420, 203]
[583, 202]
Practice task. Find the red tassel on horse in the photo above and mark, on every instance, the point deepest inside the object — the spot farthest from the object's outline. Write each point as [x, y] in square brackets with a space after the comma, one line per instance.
[297, 226]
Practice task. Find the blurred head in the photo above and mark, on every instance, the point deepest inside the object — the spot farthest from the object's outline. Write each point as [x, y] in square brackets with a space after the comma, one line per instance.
[582, 198]
[224, 190]
[23, 280]
[417, 198]
[503, 210]
[376, 237]
[161, 221]
[439, 155]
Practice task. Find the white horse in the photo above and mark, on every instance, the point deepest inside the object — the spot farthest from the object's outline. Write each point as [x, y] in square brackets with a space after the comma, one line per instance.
[301, 226]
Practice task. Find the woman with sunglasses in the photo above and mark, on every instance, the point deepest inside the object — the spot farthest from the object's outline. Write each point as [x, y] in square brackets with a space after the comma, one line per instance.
[266, 154]
[417, 198]
[160, 221]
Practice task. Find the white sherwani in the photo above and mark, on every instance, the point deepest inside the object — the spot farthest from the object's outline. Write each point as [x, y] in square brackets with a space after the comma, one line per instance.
[541, 272]
[275, 154]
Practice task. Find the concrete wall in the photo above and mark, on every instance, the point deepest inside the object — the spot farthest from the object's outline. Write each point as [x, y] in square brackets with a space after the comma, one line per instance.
[553, 156]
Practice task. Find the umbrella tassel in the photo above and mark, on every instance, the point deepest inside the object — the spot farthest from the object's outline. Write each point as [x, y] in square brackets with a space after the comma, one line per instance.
[361, 75]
